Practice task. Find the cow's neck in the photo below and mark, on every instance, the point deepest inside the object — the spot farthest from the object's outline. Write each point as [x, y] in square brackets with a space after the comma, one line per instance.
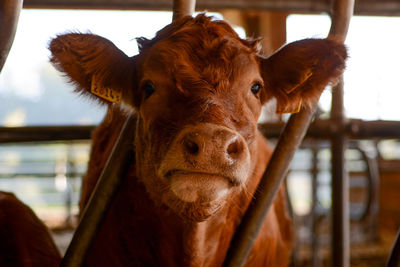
[206, 243]
[194, 243]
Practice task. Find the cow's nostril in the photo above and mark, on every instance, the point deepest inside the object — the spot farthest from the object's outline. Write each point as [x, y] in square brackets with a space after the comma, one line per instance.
[191, 146]
[235, 147]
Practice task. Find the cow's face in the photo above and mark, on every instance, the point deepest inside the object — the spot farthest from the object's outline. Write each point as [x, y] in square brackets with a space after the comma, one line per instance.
[197, 125]
[197, 89]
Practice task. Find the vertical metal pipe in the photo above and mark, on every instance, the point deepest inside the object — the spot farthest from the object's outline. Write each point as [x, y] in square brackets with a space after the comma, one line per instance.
[276, 171]
[342, 11]
[115, 170]
[394, 258]
[183, 8]
[314, 207]
[340, 234]
[9, 14]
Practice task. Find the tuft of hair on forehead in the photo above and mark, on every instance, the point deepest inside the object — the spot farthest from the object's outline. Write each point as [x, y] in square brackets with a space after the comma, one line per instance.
[204, 27]
[199, 51]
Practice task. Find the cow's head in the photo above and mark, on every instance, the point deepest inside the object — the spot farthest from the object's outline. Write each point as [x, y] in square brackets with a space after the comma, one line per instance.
[197, 89]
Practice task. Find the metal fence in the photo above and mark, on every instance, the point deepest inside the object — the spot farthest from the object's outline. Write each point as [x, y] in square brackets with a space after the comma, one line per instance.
[46, 176]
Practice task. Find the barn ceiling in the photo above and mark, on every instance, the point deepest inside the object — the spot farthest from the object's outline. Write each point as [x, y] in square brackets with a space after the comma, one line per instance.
[362, 7]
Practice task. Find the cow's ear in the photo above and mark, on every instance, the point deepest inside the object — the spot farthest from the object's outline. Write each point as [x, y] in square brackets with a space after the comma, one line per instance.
[98, 68]
[297, 73]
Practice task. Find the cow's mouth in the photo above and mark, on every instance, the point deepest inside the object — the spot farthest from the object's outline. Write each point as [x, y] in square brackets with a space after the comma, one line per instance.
[199, 187]
[231, 180]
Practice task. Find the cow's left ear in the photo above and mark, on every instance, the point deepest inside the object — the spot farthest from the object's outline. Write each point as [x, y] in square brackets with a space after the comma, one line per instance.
[297, 73]
[98, 68]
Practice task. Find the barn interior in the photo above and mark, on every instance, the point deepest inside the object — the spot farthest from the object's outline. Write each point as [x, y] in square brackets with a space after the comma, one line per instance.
[346, 172]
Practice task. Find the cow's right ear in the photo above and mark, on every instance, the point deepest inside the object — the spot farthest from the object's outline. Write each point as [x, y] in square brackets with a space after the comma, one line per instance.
[98, 68]
[297, 73]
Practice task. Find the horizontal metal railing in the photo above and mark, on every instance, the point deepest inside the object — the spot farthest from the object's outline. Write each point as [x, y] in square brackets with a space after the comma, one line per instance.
[46, 176]
[319, 129]
[44, 133]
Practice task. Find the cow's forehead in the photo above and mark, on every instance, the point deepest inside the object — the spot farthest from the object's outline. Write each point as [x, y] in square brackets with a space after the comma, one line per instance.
[199, 53]
[216, 69]
[213, 61]
[196, 40]
[191, 30]
[216, 53]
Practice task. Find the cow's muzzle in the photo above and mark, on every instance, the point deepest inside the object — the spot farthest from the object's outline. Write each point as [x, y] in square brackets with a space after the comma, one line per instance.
[205, 161]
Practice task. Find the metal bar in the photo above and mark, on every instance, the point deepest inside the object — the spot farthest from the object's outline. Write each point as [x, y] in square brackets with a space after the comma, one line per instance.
[371, 208]
[183, 8]
[358, 129]
[340, 232]
[353, 128]
[394, 258]
[319, 129]
[314, 207]
[276, 171]
[115, 170]
[44, 133]
[341, 14]
[9, 14]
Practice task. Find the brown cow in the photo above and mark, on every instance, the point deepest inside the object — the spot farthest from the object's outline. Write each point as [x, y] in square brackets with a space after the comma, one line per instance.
[24, 239]
[197, 90]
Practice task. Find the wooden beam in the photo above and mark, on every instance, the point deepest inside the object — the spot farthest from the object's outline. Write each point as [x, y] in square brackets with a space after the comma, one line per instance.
[273, 30]
[362, 7]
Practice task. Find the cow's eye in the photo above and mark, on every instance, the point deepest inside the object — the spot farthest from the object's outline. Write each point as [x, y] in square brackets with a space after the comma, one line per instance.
[255, 88]
[148, 89]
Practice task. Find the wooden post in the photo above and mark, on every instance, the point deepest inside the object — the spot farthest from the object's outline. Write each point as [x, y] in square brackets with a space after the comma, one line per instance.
[271, 25]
